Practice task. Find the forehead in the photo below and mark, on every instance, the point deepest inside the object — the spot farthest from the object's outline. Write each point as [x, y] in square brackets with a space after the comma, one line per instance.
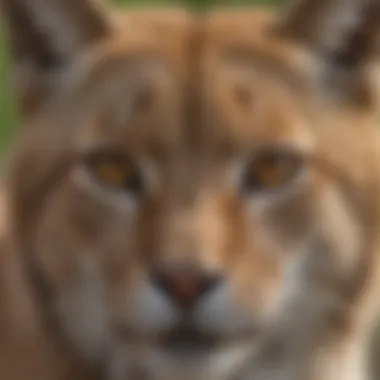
[172, 80]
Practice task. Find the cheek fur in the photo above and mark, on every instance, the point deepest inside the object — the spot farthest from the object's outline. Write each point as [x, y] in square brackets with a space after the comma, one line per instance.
[137, 306]
[83, 311]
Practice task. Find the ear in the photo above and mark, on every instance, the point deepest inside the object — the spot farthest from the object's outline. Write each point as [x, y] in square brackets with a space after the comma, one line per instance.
[44, 37]
[344, 35]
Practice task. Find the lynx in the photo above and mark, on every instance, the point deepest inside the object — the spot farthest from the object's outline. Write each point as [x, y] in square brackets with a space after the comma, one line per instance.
[191, 196]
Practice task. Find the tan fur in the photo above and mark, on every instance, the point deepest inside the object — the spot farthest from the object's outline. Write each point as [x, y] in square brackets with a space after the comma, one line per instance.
[190, 97]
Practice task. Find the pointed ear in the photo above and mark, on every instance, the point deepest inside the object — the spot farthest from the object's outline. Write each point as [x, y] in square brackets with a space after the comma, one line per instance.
[346, 31]
[44, 36]
[344, 35]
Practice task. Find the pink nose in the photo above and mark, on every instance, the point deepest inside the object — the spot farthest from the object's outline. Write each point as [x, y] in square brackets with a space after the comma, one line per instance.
[184, 287]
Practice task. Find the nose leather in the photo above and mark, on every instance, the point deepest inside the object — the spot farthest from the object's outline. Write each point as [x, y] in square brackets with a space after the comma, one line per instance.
[184, 287]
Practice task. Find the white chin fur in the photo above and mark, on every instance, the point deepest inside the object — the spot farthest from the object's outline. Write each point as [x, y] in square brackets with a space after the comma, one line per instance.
[158, 365]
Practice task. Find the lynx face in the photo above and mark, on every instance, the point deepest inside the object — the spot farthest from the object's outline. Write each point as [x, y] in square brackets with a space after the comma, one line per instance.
[175, 189]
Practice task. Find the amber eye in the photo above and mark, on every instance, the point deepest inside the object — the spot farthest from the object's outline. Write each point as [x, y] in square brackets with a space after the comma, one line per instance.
[114, 171]
[271, 169]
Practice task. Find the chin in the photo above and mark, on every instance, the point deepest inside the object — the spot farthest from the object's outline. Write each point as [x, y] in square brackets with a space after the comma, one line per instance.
[185, 360]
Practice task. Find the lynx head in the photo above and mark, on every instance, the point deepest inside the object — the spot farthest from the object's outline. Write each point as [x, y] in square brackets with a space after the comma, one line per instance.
[182, 182]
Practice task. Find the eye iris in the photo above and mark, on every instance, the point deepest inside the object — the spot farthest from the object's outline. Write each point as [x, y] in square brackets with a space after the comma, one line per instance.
[113, 174]
[114, 170]
[270, 171]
